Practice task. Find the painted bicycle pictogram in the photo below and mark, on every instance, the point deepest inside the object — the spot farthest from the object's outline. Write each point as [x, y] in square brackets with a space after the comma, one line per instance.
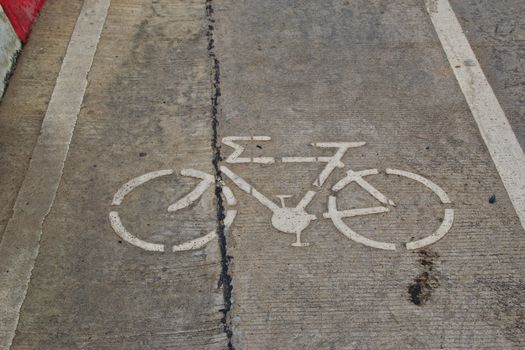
[291, 220]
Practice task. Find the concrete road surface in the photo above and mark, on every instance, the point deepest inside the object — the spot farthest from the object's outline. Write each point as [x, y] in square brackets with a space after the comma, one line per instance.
[219, 174]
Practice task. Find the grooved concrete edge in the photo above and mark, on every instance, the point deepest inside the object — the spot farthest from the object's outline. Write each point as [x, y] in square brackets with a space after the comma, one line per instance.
[10, 46]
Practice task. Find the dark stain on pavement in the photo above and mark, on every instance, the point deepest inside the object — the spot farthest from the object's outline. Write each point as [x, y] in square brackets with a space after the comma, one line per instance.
[421, 290]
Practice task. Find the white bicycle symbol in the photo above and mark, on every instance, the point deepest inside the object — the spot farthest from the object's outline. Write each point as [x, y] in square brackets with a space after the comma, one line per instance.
[292, 220]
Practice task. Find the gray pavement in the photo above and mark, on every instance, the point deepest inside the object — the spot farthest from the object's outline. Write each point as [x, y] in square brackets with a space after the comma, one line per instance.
[34, 78]
[235, 90]
[496, 31]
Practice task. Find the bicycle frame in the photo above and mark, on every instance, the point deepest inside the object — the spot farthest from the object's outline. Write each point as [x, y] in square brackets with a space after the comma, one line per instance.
[286, 219]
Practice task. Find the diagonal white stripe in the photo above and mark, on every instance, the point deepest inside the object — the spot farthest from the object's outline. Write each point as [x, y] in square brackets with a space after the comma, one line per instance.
[495, 129]
[21, 240]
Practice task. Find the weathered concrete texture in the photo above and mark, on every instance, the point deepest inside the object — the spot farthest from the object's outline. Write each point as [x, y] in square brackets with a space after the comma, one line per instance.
[300, 72]
[9, 47]
[25, 102]
[20, 243]
[371, 71]
[496, 32]
[147, 107]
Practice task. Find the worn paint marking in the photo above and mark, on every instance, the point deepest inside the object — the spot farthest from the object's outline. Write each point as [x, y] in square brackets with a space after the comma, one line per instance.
[287, 219]
[136, 182]
[357, 177]
[435, 188]
[21, 241]
[120, 229]
[195, 194]
[238, 149]
[337, 216]
[503, 146]
[437, 235]
[207, 181]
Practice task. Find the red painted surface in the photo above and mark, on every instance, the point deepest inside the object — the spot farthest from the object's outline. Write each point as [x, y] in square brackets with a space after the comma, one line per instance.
[22, 14]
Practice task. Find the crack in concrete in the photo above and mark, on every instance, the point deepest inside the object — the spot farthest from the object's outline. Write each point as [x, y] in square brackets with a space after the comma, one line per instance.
[225, 280]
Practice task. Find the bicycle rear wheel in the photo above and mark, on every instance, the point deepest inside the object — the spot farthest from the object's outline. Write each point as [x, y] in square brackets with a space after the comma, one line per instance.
[207, 181]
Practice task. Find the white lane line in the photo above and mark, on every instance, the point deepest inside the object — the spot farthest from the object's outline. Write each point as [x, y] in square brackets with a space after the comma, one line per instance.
[21, 241]
[495, 129]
